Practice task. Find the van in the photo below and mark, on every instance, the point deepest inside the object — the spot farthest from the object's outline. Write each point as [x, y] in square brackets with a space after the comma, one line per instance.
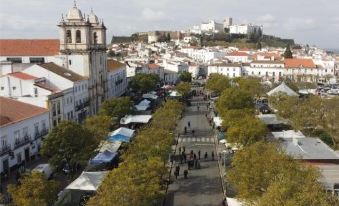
[45, 169]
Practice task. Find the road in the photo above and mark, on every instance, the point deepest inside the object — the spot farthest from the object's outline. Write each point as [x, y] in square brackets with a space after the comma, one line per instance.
[203, 186]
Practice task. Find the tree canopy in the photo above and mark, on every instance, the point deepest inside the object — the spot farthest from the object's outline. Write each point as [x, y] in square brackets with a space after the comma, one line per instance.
[69, 142]
[184, 88]
[288, 53]
[117, 107]
[34, 189]
[252, 85]
[144, 82]
[217, 83]
[234, 98]
[185, 76]
[99, 125]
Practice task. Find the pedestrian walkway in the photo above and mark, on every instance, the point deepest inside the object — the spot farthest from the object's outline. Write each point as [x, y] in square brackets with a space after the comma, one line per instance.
[202, 186]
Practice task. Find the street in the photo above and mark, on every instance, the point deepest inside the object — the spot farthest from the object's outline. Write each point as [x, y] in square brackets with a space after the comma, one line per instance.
[203, 186]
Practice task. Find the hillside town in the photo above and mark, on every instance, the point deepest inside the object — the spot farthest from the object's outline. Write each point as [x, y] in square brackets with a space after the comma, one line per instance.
[79, 116]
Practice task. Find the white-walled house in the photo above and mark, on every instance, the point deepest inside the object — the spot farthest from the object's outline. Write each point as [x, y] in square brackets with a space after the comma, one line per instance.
[267, 70]
[238, 57]
[22, 127]
[116, 78]
[230, 70]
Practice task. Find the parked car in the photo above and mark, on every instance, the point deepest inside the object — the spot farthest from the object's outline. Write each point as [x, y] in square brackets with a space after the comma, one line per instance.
[45, 169]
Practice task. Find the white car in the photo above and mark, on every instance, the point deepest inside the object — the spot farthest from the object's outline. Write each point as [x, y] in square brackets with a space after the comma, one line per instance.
[45, 169]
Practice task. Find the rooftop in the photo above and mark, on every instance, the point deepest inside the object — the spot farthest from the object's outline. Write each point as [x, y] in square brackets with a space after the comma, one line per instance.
[113, 65]
[21, 75]
[29, 47]
[297, 63]
[65, 73]
[12, 111]
[237, 53]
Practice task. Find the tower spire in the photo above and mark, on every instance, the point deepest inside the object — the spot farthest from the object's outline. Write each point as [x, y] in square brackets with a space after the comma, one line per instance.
[75, 3]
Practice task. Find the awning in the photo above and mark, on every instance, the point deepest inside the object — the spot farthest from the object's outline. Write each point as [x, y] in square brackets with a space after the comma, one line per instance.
[103, 157]
[135, 119]
[118, 138]
[217, 121]
[150, 96]
[87, 181]
[123, 131]
[111, 146]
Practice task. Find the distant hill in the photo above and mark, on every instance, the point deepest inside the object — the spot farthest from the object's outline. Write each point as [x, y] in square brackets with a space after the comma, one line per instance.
[128, 39]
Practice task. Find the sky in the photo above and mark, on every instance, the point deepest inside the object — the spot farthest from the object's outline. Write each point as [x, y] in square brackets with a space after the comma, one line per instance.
[313, 22]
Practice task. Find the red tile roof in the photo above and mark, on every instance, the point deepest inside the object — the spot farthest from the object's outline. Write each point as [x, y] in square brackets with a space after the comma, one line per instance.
[297, 63]
[153, 66]
[12, 111]
[114, 65]
[29, 47]
[236, 53]
[22, 75]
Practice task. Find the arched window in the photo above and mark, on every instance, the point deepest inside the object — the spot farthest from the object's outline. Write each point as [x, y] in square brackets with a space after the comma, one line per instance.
[95, 38]
[78, 36]
[68, 36]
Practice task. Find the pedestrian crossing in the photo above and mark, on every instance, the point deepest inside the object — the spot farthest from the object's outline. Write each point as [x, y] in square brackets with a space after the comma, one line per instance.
[196, 139]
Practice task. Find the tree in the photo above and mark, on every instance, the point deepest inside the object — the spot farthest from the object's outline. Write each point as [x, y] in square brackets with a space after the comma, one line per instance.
[69, 143]
[233, 116]
[33, 190]
[185, 76]
[247, 130]
[234, 98]
[255, 167]
[117, 107]
[298, 188]
[184, 88]
[252, 85]
[99, 125]
[144, 82]
[288, 53]
[217, 83]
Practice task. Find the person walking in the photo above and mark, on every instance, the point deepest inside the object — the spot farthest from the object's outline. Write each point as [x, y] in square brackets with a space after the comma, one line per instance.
[189, 124]
[176, 174]
[183, 149]
[177, 168]
[185, 129]
[199, 154]
[185, 174]
[193, 132]
[198, 107]
[184, 156]
[206, 155]
[212, 155]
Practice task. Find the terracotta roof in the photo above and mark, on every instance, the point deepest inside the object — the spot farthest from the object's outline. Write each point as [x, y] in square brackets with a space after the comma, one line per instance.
[297, 63]
[223, 64]
[22, 75]
[267, 62]
[236, 53]
[46, 86]
[12, 111]
[65, 73]
[29, 47]
[114, 65]
[153, 66]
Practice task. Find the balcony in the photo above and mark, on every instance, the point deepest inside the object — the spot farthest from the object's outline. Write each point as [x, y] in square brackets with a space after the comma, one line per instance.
[21, 142]
[5, 149]
[82, 106]
[40, 134]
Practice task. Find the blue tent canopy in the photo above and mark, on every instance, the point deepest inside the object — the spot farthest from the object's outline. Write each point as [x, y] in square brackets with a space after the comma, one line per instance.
[103, 157]
[118, 137]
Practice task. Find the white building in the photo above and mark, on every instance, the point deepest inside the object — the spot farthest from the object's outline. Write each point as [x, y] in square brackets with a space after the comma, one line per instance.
[230, 70]
[238, 57]
[116, 78]
[22, 127]
[228, 21]
[245, 29]
[267, 70]
[212, 27]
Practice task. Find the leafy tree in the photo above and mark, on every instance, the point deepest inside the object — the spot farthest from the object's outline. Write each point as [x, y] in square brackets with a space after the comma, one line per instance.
[184, 88]
[144, 82]
[33, 190]
[252, 85]
[69, 142]
[185, 76]
[298, 188]
[234, 98]
[331, 118]
[256, 167]
[247, 130]
[99, 125]
[288, 53]
[233, 116]
[117, 107]
[217, 83]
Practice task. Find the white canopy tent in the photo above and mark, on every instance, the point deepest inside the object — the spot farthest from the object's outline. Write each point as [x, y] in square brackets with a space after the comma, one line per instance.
[123, 131]
[288, 134]
[150, 96]
[109, 146]
[282, 88]
[217, 121]
[141, 119]
[143, 105]
[87, 181]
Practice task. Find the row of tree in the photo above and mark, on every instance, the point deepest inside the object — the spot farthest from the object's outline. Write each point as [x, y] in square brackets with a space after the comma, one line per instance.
[261, 173]
[69, 144]
[139, 178]
[311, 115]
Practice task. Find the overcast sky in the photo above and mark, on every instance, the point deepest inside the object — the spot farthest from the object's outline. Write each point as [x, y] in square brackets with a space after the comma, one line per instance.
[315, 22]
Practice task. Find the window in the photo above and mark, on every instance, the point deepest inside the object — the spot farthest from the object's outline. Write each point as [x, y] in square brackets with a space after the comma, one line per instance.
[59, 108]
[36, 60]
[70, 62]
[43, 123]
[95, 38]
[4, 141]
[25, 131]
[35, 92]
[68, 36]
[36, 128]
[54, 110]
[279, 74]
[2, 88]
[16, 135]
[14, 59]
[14, 88]
[78, 36]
